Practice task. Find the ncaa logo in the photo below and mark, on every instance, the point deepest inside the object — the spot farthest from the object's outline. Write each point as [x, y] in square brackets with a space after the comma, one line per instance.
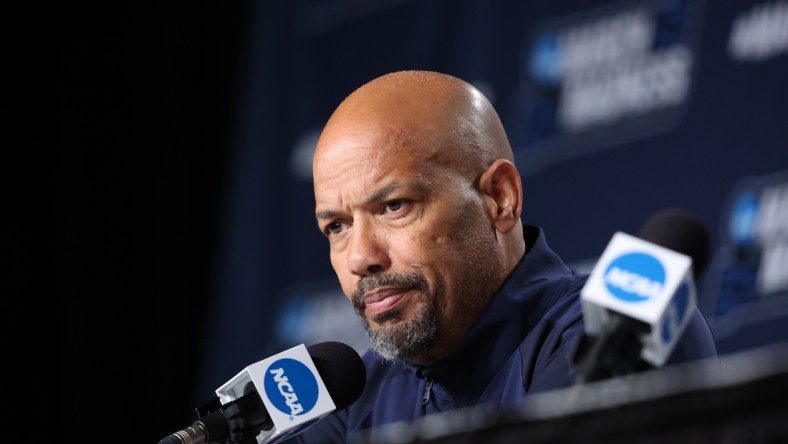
[291, 387]
[635, 277]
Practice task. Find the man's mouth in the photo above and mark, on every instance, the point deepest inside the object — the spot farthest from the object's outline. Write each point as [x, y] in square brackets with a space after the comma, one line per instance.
[380, 301]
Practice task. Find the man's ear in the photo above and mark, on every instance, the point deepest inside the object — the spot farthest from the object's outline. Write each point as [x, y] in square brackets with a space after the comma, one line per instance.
[502, 190]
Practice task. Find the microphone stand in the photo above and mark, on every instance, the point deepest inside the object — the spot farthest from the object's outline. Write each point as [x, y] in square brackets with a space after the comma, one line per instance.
[238, 421]
[616, 352]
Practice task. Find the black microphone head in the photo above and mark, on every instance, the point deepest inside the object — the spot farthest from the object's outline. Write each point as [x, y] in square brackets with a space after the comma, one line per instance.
[341, 369]
[680, 231]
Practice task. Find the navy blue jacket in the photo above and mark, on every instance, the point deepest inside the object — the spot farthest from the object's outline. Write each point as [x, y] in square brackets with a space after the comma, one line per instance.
[522, 343]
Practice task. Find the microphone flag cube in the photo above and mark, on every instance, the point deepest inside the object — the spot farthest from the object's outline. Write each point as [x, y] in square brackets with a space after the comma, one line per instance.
[645, 282]
[291, 389]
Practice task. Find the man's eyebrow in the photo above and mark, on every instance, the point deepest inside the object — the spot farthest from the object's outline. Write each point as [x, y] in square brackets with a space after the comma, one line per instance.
[326, 214]
[377, 196]
[384, 192]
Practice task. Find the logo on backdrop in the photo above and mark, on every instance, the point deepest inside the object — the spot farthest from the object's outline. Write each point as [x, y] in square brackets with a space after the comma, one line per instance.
[753, 264]
[603, 78]
[291, 387]
[635, 277]
[760, 33]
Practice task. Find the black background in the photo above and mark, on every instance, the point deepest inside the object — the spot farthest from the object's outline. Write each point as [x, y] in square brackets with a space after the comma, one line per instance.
[146, 97]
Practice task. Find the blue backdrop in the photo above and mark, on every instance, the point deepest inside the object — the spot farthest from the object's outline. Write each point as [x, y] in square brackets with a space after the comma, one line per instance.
[616, 110]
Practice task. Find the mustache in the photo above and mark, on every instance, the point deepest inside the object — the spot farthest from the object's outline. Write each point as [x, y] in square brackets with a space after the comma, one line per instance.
[367, 284]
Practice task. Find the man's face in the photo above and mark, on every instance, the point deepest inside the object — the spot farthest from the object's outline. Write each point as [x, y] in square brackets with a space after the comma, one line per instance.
[410, 239]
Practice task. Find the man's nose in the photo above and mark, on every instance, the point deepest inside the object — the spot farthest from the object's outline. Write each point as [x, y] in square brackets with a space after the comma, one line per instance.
[368, 252]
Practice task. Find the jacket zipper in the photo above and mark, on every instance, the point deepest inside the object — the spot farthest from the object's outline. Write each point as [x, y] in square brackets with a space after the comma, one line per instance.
[427, 391]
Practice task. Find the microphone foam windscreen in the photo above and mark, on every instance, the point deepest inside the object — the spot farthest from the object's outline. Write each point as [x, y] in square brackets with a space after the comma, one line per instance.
[680, 231]
[341, 369]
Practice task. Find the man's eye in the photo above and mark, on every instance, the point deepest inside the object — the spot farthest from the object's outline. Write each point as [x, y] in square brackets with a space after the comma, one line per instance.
[334, 228]
[394, 205]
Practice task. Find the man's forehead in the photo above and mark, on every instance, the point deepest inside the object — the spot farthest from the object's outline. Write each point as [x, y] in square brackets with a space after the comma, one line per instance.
[369, 145]
[357, 159]
[369, 166]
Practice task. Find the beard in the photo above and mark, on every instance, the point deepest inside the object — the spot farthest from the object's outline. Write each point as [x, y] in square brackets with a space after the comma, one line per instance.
[398, 339]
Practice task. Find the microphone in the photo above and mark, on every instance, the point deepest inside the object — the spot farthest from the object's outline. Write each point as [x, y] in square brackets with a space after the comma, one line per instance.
[680, 231]
[279, 397]
[640, 296]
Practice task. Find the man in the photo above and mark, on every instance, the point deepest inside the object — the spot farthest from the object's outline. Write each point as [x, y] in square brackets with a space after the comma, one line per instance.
[417, 193]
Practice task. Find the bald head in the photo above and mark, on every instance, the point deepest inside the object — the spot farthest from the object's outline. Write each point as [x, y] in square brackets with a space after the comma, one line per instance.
[417, 193]
[426, 115]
